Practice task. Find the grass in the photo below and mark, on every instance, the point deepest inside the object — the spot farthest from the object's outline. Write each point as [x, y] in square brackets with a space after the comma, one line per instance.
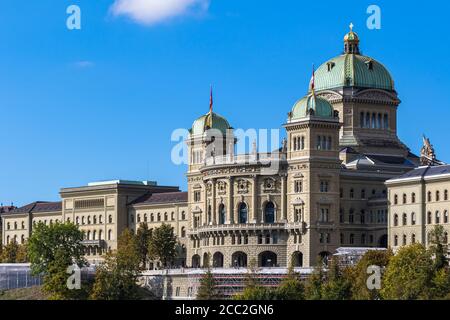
[32, 293]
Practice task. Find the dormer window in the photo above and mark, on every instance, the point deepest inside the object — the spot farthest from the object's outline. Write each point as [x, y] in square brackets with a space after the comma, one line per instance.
[369, 64]
[330, 66]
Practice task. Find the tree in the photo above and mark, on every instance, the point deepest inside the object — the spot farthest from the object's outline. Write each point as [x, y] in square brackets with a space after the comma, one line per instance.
[10, 253]
[116, 277]
[253, 290]
[438, 248]
[51, 250]
[143, 236]
[291, 288]
[163, 244]
[409, 274]
[359, 274]
[207, 289]
[337, 285]
[313, 287]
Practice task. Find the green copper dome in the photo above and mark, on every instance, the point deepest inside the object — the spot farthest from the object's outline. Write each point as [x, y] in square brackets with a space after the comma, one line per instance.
[320, 106]
[353, 70]
[205, 122]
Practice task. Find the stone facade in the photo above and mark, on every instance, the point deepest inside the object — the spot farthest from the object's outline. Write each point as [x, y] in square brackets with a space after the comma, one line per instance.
[418, 201]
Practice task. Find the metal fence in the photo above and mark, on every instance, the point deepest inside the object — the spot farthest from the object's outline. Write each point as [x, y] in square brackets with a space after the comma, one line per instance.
[17, 275]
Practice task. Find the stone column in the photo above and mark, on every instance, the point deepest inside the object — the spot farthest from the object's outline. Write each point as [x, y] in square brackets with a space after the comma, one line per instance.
[205, 200]
[283, 198]
[230, 209]
[213, 200]
[254, 210]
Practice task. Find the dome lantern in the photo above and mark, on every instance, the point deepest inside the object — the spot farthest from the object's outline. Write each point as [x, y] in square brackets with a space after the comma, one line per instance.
[351, 42]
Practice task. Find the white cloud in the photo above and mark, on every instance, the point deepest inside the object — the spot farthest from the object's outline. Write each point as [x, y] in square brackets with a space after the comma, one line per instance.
[151, 12]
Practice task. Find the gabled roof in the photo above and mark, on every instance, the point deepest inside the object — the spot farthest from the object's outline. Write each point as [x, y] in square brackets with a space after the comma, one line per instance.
[161, 198]
[38, 206]
[424, 171]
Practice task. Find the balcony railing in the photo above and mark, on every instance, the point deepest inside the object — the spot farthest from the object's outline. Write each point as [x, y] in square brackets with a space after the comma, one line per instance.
[242, 226]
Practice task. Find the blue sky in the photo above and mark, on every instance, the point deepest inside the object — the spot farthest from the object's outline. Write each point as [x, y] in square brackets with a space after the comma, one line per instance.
[101, 102]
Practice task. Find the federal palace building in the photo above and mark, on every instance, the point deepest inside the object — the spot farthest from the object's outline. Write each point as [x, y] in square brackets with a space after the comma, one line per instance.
[342, 178]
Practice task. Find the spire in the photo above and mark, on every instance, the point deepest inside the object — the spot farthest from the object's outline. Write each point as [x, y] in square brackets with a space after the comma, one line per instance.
[209, 116]
[313, 79]
[351, 41]
[312, 107]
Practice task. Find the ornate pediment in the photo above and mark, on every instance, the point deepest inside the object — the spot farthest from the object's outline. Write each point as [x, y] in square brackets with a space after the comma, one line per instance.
[330, 95]
[297, 201]
[376, 96]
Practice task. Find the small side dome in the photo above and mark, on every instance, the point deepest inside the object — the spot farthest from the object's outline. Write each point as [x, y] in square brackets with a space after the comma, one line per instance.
[312, 105]
[210, 120]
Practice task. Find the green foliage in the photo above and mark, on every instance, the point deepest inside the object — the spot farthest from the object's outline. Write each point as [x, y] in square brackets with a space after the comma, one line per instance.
[290, 289]
[438, 247]
[359, 276]
[337, 285]
[14, 253]
[163, 244]
[408, 275]
[143, 236]
[207, 289]
[313, 288]
[116, 277]
[52, 249]
[48, 242]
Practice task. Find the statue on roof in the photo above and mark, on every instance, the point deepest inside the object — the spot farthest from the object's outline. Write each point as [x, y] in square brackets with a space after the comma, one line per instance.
[427, 155]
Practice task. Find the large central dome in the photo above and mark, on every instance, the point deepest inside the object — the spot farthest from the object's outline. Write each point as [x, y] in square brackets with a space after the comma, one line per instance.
[352, 69]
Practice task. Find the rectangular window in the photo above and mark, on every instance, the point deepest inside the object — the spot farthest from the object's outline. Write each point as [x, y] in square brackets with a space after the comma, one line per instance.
[298, 186]
[197, 196]
[324, 186]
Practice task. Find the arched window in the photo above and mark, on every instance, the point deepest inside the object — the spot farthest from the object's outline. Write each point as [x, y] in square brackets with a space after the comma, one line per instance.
[363, 193]
[100, 219]
[222, 214]
[183, 232]
[183, 215]
[110, 219]
[445, 195]
[7, 239]
[395, 199]
[351, 216]
[445, 237]
[429, 196]
[138, 218]
[145, 217]
[437, 195]
[404, 240]
[429, 217]
[95, 219]
[374, 121]
[23, 225]
[413, 238]
[413, 197]
[404, 220]
[22, 239]
[77, 219]
[438, 217]
[269, 212]
[413, 218]
[352, 193]
[100, 234]
[395, 220]
[88, 235]
[404, 198]
[352, 238]
[165, 216]
[94, 235]
[445, 216]
[89, 219]
[159, 216]
[243, 213]
[152, 217]
[395, 240]
[109, 234]
[319, 143]
[82, 220]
